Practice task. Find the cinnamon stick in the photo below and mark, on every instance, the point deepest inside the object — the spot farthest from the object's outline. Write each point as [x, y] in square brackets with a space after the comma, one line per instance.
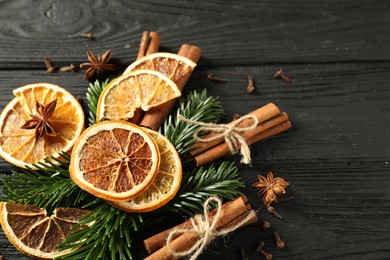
[150, 42]
[157, 241]
[155, 117]
[236, 209]
[262, 114]
[267, 129]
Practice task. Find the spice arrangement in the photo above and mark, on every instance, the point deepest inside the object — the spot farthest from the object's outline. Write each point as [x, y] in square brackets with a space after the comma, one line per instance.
[115, 175]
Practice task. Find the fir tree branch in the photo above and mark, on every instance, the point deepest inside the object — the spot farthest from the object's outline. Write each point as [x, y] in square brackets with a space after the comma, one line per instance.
[93, 94]
[47, 186]
[196, 106]
[198, 185]
[109, 235]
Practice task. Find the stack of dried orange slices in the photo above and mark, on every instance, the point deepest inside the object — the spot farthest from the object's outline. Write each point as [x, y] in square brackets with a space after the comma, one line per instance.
[134, 168]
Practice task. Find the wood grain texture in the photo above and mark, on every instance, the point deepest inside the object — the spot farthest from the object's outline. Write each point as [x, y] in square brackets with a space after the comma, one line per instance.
[247, 32]
[336, 156]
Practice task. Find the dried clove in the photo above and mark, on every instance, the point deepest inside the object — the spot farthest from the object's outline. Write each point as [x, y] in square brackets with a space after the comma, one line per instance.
[49, 65]
[251, 86]
[267, 255]
[88, 35]
[71, 67]
[243, 254]
[280, 75]
[279, 241]
[274, 212]
[266, 225]
[260, 250]
[260, 246]
[212, 77]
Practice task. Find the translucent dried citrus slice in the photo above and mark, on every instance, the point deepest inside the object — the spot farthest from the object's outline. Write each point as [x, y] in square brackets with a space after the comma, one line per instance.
[34, 233]
[41, 121]
[114, 160]
[171, 65]
[165, 185]
[139, 89]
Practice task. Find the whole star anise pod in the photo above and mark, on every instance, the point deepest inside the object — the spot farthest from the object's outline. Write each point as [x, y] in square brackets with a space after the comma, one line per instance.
[270, 187]
[40, 121]
[96, 66]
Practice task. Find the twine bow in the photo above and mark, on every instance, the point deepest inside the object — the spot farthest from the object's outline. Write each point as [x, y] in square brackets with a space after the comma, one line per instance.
[231, 134]
[204, 230]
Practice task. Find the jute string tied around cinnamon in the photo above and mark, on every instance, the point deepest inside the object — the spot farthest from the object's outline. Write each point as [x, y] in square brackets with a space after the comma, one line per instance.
[230, 132]
[204, 230]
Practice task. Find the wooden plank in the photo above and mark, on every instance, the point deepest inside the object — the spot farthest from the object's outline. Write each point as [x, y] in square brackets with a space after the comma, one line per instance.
[249, 33]
[340, 109]
[335, 157]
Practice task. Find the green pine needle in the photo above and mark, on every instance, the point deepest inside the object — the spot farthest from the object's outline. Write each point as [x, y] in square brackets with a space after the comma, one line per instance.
[93, 93]
[47, 186]
[109, 235]
[203, 182]
[196, 106]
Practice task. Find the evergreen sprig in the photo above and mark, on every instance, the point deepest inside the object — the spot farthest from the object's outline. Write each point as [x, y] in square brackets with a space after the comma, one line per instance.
[196, 106]
[47, 186]
[197, 186]
[109, 235]
[93, 93]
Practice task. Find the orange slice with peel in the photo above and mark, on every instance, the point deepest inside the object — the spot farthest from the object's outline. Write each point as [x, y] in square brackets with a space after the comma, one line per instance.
[139, 89]
[24, 146]
[165, 185]
[34, 233]
[171, 65]
[114, 160]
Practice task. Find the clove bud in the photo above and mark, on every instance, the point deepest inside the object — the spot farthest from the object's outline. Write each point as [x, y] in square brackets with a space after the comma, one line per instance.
[251, 86]
[212, 77]
[49, 65]
[274, 212]
[71, 67]
[279, 241]
[280, 75]
[266, 225]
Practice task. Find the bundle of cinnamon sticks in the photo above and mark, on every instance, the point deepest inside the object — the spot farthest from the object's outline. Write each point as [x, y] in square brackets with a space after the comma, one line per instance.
[232, 212]
[271, 121]
[155, 117]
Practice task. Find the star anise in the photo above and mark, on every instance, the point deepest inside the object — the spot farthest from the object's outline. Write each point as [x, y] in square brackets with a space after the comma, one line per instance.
[270, 187]
[40, 121]
[96, 66]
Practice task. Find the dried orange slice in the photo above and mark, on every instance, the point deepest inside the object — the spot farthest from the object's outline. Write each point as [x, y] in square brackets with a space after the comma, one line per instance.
[165, 185]
[114, 160]
[139, 89]
[171, 65]
[21, 143]
[34, 233]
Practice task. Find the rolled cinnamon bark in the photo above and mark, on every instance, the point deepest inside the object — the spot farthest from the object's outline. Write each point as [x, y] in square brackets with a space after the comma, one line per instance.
[262, 114]
[155, 116]
[150, 42]
[186, 240]
[267, 129]
[157, 241]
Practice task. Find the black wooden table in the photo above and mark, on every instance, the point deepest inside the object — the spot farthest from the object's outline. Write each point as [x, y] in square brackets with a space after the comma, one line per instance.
[337, 155]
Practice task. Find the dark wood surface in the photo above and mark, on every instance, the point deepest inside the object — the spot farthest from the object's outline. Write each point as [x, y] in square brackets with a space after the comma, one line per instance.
[337, 155]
